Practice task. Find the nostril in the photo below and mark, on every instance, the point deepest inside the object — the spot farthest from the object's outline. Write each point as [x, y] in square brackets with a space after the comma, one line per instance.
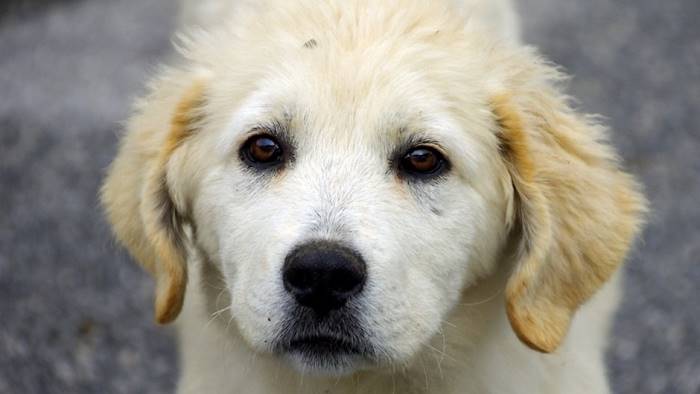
[323, 275]
[344, 281]
[298, 279]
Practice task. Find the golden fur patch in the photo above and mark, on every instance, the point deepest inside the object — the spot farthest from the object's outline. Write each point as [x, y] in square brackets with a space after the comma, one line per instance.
[137, 183]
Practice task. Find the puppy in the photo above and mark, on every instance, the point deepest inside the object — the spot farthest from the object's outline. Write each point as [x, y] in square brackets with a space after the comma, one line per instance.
[373, 196]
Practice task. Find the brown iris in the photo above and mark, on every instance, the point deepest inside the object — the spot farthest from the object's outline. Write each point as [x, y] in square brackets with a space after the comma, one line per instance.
[262, 151]
[422, 160]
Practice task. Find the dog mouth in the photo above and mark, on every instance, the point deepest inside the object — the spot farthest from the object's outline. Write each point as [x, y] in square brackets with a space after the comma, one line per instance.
[333, 344]
[329, 355]
[320, 345]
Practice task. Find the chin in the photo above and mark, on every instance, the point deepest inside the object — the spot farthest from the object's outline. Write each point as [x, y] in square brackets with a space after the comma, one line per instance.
[327, 356]
[328, 365]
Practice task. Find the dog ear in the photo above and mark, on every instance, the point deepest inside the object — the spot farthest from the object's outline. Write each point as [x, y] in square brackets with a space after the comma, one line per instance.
[136, 196]
[577, 212]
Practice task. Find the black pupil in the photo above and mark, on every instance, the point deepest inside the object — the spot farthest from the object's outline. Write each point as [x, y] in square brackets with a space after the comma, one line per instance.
[421, 160]
[266, 146]
[421, 156]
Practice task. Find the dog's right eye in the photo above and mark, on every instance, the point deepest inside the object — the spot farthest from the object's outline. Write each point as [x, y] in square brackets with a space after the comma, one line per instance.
[423, 162]
[262, 151]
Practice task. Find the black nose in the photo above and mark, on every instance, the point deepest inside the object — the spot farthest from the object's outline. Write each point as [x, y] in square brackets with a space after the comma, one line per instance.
[323, 275]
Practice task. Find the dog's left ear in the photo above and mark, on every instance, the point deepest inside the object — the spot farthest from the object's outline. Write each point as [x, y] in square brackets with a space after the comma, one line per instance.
[145, 214]
[576, 211]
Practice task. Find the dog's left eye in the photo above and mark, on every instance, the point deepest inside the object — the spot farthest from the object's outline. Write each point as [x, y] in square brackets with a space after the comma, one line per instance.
[423, 161]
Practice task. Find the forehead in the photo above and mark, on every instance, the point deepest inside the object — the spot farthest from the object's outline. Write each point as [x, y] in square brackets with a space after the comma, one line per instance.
[391, 78]
[360, 95]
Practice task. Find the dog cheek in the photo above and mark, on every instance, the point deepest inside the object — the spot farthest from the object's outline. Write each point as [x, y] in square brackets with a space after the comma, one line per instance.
[437, 264]
[254, 245]
[405, 303]
[406, 315]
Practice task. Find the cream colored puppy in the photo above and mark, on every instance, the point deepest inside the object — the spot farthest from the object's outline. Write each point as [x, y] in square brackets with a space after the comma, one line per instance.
[373, 196]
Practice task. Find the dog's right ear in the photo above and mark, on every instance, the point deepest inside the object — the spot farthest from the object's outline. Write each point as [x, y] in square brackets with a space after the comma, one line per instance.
[136, 194]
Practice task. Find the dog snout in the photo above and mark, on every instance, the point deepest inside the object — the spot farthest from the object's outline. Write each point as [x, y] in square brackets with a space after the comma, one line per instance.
[324, 275]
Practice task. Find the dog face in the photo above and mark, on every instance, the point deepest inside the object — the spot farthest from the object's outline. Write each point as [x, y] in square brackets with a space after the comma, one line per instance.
[308, 162]
[350, 178]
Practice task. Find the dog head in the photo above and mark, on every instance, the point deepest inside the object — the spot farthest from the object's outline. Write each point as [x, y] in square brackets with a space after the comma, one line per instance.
[351, 169]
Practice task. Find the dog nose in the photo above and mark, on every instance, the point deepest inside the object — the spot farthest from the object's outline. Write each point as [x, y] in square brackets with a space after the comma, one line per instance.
[323, 275]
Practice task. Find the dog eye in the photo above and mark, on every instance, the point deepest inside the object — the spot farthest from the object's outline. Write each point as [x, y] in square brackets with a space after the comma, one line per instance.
[262, 151]
[423, 161]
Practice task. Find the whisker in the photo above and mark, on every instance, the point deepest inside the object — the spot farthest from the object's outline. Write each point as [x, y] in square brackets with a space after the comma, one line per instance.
[490, 298]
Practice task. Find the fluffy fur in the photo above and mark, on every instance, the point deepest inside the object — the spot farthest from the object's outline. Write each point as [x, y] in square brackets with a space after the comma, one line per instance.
[472, 277]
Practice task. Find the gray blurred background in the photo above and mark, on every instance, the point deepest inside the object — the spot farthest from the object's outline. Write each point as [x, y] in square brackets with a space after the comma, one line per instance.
[75, 313]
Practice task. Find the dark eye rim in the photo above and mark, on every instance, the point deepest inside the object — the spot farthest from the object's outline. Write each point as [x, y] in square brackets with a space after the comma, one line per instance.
[252, 162]
[442, 166]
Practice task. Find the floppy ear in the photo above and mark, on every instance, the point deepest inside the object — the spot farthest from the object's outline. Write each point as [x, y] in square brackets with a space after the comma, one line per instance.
[577, 212]
[138, 200]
